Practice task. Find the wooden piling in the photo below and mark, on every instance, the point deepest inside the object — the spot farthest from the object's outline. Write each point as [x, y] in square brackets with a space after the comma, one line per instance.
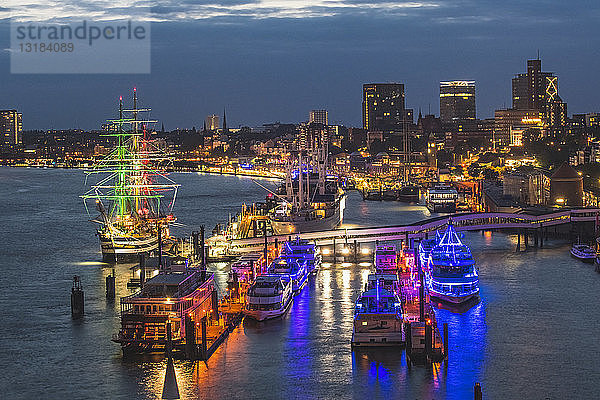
[215, 305]
[526, 238]
[190, 338]
[355, 251]
[203, 345]
[202, 247]
[77, 299]
[535, 238]
[446, 339]
[518, 241]
[110, 286]
[195, 246]
[477, 392]
[428, 340]
[142, 261]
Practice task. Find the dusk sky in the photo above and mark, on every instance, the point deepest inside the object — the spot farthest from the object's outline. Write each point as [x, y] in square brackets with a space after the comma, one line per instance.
[274, 60]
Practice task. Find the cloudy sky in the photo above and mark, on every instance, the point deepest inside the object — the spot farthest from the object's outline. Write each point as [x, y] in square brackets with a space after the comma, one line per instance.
[274, 60]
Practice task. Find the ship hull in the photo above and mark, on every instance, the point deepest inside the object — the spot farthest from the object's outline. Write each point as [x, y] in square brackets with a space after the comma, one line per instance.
[123, 249]
[263, 315]
[452, 299]
[283, 227]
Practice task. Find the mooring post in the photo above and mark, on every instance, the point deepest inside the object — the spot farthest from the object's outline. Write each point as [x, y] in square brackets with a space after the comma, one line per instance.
[160, 264]
[77, 300]
[446, 339]
[518, 241]
[526, 237]
[355, 251]
[204, 339]
[266, 250]
[202, 249]
[541, 236]
[421, 287]
[195, 246]
[215, 305]
[535, 238]
[333, 251]
[190, 338]
[110, 286]
[428, 339]
[477, 392]
[142, 260]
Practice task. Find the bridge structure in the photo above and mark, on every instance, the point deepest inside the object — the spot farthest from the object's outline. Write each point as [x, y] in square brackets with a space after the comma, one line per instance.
[422, 229]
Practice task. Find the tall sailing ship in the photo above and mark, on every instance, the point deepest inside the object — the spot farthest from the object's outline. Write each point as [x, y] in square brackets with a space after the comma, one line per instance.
[131, 189]
[310, 200]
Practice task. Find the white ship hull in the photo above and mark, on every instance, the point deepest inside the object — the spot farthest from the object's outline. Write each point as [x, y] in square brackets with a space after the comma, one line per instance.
[124, 247]
[293, 226]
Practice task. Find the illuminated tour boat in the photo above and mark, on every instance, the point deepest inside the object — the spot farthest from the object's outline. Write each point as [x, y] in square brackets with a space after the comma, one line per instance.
[378, 318]
[270, 296]
[450, 272]
[386, 259]
[166, 297]
[295, 269]
[302, 249]
[426, 246]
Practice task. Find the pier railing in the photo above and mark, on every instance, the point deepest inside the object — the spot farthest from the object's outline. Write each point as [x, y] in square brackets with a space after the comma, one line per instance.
[461, 221]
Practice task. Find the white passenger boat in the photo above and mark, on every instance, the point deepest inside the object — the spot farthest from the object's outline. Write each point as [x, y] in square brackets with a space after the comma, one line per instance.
[270, 296]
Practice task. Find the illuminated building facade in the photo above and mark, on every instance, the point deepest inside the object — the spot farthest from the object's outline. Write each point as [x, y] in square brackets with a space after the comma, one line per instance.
[457, 101]
[537, 90]
[509, 125]
[212, 122]
[11, 127]
[384, 107]
[318, 116]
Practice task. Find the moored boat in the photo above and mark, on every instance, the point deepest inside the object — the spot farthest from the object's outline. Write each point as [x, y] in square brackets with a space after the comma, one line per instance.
[270, 296]
[378, 318]
[166, 297]
[294, 269]
[302, 249]
[442, 198]
[450, 272]
[583, 252]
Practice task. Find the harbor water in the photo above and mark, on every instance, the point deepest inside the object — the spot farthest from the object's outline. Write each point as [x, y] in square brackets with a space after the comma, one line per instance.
[533, 335]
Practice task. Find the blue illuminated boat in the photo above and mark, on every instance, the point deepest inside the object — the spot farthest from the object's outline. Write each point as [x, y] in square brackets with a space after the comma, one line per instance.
[450, 272]
[303, 250]
[295, 269]
[270, 296]
[426, 246]
[378, 318]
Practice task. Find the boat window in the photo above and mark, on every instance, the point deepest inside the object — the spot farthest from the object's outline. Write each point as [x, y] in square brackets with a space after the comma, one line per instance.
[148, 309]
[154, 309]
[137, 309]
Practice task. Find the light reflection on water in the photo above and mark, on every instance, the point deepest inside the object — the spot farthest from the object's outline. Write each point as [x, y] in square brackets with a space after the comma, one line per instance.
[533, 329]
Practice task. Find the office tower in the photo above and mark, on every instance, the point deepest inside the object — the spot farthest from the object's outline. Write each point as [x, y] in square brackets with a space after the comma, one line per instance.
[538, 91]
[11, 127]
[318, 116]
[457, 101]
[384, 108]
[212, 122]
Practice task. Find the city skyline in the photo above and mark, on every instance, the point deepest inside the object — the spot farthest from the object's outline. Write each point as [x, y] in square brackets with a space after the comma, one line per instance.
[262, 68]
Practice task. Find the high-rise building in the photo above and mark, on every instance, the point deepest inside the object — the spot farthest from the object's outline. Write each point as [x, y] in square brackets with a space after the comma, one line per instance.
[538, 91]
[457, 101]
[318, 116]
[384, 107]
[11, 127]
[212, 122]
